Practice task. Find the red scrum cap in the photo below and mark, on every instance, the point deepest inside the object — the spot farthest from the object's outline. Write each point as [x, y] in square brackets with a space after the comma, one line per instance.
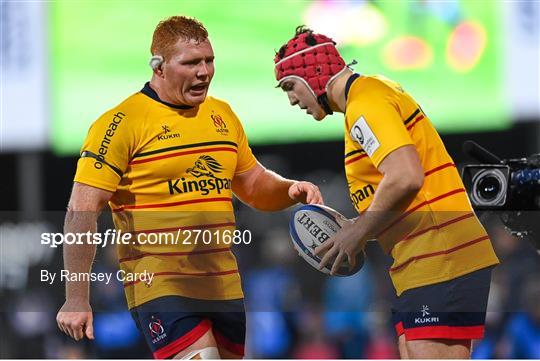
[311, 58]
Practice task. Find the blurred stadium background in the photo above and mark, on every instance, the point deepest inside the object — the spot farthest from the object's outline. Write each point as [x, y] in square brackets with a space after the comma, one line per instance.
[472, 65]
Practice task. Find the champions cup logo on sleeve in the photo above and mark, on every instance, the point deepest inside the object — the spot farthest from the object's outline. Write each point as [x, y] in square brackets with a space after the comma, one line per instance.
[362, 133]
[358, 134]
[219, 123]
[204, 168]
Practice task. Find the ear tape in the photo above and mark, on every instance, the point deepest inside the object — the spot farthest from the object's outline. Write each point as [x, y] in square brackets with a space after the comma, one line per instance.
[156, 61]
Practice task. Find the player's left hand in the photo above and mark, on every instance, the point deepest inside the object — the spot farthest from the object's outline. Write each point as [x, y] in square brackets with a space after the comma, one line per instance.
[344, 244]
[306, 192]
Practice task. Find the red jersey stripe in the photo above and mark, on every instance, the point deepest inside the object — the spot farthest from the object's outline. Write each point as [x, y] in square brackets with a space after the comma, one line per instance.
[200, 274]
[177, 154]
[436, 169]
[442, 225]
[197, 226]
[415, 121]
[428, 255]
[352, 160]
[438, 198]
[172, 204]
[173, 254]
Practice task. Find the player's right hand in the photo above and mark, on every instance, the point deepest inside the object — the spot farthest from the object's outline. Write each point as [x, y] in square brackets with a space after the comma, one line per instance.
[75, 319]
[305, 192]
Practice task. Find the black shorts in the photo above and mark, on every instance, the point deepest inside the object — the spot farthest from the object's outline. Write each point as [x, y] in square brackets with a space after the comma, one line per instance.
[454, 309]
[172, 323]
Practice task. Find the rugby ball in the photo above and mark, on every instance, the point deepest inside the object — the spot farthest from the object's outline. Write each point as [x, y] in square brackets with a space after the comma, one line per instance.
[310, 226]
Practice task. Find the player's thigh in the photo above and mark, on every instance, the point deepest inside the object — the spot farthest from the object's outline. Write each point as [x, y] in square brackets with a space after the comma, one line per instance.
[434, 349]
[197, 350]
[438, 349]
[398, 324]
[229, 328]
[172, 326]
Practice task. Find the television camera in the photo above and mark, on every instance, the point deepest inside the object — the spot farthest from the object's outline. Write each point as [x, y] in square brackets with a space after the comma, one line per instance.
[511, 186]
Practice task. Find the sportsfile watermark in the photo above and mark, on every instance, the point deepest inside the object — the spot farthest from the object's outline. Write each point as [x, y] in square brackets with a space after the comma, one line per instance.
[186, 237]
[196, 251]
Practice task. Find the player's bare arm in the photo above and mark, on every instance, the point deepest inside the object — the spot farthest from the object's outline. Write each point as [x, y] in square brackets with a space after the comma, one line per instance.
[85, 204]
[403, 176]
[265, 190]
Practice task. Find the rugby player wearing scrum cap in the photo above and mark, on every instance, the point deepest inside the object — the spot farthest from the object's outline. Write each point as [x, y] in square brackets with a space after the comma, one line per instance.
[409, 194]
[170, 157]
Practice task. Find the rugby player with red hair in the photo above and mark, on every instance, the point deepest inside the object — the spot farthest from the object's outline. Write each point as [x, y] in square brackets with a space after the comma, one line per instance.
[168, 159]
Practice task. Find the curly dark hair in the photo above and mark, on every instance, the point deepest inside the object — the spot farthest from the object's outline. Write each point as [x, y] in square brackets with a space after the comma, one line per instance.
[300, 29]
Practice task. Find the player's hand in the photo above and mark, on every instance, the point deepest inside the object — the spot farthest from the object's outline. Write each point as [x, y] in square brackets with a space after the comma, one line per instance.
[343, 221]
[306, 192]
[344, 244]
[75, 319]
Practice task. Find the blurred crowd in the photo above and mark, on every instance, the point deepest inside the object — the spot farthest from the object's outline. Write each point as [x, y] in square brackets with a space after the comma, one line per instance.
[294, 311]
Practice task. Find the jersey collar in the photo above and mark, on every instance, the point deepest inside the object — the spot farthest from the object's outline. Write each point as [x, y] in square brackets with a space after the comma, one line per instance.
[351, 79]
[148, 91]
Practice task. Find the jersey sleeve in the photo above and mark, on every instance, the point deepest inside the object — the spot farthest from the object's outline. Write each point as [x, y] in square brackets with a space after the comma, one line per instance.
[106, 152]
[246, 160]
[376, 124]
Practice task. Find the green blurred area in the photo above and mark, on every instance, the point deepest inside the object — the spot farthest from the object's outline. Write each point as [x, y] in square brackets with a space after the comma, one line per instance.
[100, 51]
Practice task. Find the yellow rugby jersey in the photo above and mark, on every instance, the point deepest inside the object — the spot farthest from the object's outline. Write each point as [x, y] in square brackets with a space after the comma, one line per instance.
[438, 237]
[170, 168]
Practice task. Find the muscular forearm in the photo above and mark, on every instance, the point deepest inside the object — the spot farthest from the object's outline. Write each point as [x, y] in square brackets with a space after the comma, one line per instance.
[78, 258]
[391, 199]
[265, 190]
[271, 192]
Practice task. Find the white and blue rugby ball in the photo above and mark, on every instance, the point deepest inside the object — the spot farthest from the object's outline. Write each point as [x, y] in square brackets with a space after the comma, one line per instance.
[310, 226]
